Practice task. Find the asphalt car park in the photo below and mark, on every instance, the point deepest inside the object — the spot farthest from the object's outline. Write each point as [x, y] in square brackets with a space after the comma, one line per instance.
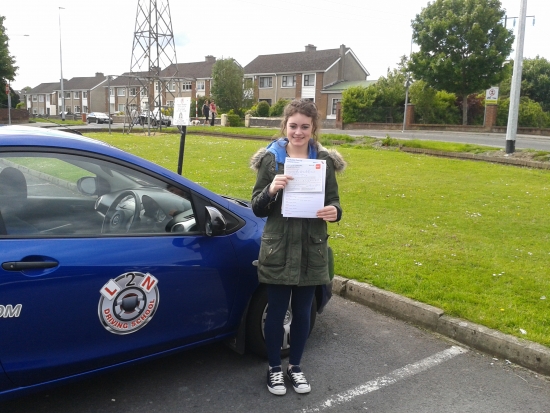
[356, 360]
[108, 259]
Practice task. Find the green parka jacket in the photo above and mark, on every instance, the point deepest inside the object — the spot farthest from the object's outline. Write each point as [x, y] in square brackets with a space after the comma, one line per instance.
[293, 251]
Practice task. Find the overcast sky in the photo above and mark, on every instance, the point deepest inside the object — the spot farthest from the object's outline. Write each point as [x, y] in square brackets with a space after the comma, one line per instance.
[97, 35]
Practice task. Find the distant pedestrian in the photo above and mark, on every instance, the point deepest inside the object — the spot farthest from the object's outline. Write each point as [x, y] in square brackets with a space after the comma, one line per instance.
[213, 112]
[206, 111]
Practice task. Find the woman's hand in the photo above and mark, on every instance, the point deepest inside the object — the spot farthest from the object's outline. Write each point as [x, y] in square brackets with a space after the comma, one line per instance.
[279, 182]
[328, 213]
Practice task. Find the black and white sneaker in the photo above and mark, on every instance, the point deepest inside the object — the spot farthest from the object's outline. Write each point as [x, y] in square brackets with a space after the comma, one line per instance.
[298, 379]
[276, 381]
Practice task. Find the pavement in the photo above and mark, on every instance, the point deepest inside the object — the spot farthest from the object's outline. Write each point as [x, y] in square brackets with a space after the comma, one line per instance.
[525, 353]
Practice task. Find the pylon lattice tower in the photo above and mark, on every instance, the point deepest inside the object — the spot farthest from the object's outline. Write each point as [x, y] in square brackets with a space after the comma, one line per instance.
[153, 49]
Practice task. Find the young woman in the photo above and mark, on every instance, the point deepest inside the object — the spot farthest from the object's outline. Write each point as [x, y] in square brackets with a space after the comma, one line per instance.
[206, 111]
[213, 112]
[293, 252]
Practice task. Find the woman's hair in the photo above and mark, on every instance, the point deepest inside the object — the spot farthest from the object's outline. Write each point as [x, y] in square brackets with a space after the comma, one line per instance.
[303, 107]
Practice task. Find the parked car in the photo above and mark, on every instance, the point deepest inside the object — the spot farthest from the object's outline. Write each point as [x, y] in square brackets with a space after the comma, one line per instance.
[155, 117]
[108, 259]
[98, 117]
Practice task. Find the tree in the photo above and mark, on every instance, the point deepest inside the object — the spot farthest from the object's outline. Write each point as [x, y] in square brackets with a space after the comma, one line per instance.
[227, 90]
[535, 82]
[463, 46]
[7, 63]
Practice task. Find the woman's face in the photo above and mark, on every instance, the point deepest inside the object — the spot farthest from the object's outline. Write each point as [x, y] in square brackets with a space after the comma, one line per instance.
[298, 130]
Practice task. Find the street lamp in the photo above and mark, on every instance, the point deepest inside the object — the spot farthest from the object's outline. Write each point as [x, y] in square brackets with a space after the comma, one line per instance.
[61, 65]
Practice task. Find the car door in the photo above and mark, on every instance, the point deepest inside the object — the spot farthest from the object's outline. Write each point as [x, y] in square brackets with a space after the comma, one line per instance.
[83, 296]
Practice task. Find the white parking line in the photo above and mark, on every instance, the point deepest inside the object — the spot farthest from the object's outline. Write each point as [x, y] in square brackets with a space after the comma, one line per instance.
[391, 378]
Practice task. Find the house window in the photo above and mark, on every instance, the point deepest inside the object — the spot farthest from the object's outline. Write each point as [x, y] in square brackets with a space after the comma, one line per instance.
[34, 98]
[77, 109]
[266, 82]
[85, 109]
[35, 111]
[143, 91]
[76, 95]
[133, 91]
[289, 81]
[67, 95]
[121, 107]
[186, 86]
[111, 91]
[170, 103]
[41, 98]
[156, 86]
[47, 98]
[121, 91]
[172, 86]
[200, 84]
[309, 80]
[334, 102]
[85, 95]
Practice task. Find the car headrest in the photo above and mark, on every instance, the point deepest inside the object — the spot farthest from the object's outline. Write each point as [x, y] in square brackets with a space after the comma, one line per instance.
[13, 188]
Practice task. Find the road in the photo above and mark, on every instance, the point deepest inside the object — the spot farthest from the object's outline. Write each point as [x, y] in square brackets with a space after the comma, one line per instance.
[356, 360]
[489, 139]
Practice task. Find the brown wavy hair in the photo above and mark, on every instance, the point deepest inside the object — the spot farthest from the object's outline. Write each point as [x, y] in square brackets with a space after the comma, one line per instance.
[303, 107]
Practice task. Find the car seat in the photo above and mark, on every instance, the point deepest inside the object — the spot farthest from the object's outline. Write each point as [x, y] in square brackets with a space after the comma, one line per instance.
[13, 196]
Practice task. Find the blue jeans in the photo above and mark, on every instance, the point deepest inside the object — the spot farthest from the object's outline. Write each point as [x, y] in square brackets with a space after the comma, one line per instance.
[278, 298]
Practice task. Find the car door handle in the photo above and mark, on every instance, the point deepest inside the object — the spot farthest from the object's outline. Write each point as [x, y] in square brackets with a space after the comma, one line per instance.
[28, 265]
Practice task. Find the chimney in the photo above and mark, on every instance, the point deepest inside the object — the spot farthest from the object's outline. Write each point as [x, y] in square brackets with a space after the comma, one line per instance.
[99, 74]
[210, 59]
[311, 48]
[341, 62]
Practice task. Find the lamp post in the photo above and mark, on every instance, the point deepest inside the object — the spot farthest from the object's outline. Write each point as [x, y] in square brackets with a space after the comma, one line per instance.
[515, 90]
[61, 65]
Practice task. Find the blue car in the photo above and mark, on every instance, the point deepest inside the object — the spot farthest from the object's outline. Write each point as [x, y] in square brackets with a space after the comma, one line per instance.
[108, 259]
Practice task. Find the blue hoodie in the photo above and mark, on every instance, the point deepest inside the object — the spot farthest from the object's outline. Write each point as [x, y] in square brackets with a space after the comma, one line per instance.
[278, 148]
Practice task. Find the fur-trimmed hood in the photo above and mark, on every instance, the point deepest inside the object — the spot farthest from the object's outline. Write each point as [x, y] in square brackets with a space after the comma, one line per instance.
[277, 148]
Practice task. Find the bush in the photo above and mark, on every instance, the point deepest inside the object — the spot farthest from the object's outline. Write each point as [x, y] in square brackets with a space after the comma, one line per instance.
[234, 119]
[262, 109]
[278, 108]
[530, 114]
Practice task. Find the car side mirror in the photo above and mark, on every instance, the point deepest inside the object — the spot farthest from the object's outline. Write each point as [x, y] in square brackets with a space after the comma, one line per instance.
[89, 185]
[215, 222]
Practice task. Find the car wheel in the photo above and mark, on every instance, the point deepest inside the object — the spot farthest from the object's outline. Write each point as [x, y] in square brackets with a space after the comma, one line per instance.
[257, 311]
[88, 121]
[97, 121]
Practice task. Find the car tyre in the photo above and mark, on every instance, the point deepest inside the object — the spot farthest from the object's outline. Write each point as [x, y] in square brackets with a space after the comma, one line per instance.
[257, 310]
[97, 121]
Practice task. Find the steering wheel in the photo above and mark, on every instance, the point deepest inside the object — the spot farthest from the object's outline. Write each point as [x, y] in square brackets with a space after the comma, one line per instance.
[122, 214]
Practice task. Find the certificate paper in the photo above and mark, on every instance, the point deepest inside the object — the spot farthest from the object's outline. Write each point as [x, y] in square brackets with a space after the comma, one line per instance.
[305, 194]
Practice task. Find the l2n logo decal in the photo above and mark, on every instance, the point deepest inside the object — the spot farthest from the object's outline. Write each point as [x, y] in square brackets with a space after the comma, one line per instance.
[128, 302]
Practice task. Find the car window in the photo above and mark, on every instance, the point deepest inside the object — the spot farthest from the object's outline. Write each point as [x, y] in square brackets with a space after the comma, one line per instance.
[52, 194]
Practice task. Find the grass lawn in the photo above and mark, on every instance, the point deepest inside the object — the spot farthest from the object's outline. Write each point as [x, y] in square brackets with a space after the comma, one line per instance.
[469, 237]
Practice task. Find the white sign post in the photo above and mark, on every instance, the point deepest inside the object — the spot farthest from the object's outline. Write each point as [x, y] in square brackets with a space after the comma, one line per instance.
[491, 96]
[182, 108]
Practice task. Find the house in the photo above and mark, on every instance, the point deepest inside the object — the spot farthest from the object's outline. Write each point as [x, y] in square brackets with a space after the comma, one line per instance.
[311, 74]
[42, 99]
[197, 82]
[84, 94]
[129, 88]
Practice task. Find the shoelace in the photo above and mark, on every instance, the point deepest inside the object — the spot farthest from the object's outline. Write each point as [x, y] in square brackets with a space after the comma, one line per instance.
[276, 377]
[298, 378]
